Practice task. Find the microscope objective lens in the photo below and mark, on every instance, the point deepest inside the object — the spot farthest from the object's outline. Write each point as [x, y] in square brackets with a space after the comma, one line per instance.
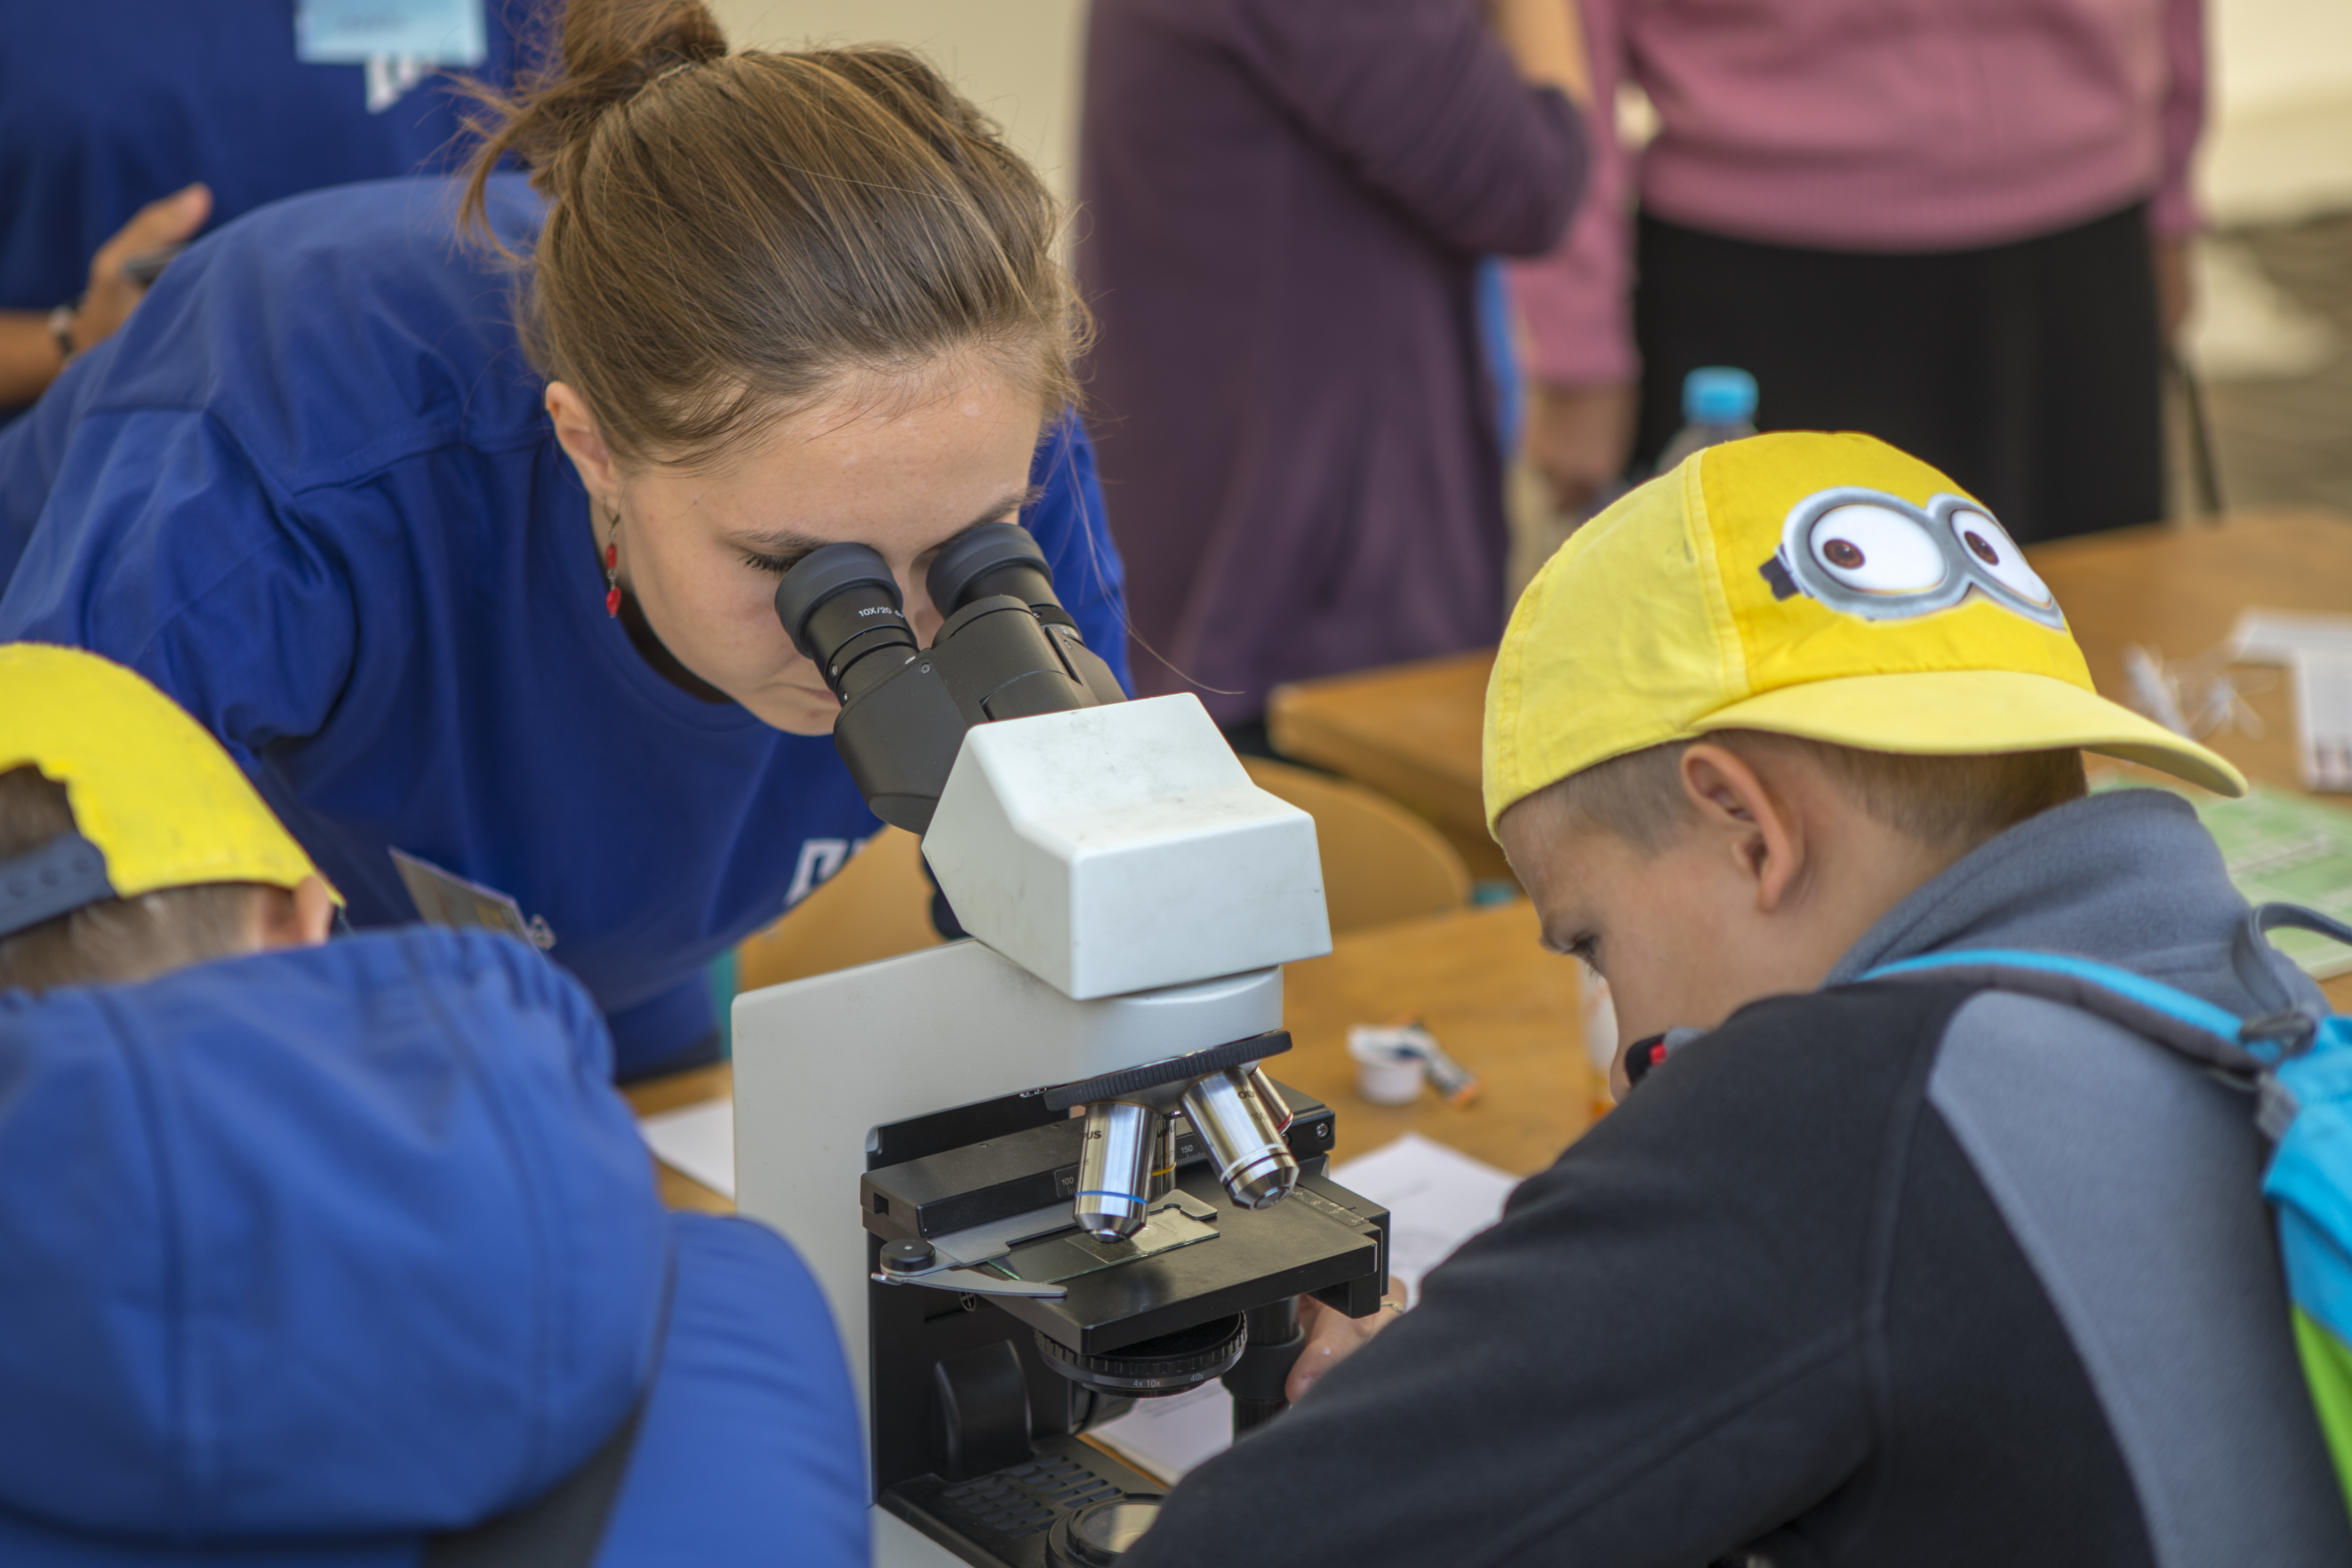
[1114, 1169]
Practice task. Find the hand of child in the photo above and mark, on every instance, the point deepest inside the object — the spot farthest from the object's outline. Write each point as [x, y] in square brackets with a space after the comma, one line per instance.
[1331, 1338]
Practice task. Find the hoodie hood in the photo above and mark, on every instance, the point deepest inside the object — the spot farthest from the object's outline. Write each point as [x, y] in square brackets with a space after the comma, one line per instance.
[2127, 876]
[354, 1240]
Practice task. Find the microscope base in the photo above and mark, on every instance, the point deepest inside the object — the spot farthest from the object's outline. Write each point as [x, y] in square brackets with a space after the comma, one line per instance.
[1003, 1520]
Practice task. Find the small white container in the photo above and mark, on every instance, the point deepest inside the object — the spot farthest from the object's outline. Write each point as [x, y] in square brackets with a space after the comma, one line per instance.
[1394, 1082]
[1389, 1067]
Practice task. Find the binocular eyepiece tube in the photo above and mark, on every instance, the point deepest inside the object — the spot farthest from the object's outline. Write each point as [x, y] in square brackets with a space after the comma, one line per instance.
[1005, 648]
[841, 605]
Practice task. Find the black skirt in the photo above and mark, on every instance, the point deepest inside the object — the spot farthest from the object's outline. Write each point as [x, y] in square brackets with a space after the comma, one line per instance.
[2028, 372]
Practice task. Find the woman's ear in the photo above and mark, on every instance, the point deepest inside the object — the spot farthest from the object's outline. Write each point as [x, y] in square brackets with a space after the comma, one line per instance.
[583, 442]
[1765, 839]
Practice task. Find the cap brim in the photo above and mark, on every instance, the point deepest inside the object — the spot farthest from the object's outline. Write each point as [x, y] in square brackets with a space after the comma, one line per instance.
[1958, 712]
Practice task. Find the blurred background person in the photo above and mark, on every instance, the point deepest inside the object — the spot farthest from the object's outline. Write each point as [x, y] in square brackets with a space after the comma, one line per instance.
[126, 125]
[1958, 228]
[1284, 204]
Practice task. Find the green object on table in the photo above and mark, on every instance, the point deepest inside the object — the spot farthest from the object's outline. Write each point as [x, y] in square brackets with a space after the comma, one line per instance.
[2285, 848]
[721, 978]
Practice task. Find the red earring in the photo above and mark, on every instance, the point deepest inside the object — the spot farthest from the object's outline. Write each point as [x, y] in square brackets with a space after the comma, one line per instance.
[613, 569]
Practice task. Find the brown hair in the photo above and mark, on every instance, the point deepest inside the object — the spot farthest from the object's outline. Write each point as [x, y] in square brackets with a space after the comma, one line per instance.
[115, 939]
[728, 235]
[1942, 801]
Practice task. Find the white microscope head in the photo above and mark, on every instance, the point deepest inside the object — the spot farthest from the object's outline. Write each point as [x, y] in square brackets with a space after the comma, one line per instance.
[1123, 847]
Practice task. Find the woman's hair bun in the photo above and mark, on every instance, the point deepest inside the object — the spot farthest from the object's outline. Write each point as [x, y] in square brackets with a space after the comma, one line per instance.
[601, 53]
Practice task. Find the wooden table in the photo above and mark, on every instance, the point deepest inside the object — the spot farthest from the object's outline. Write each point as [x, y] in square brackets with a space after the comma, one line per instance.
[1503, 1006]
[2178, 592]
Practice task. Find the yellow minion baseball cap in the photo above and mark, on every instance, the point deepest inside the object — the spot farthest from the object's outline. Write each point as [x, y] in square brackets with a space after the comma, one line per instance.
[156, 800]
[1827, 586]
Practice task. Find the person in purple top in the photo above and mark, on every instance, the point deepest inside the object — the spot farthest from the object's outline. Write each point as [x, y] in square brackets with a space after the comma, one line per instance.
[1285, 207]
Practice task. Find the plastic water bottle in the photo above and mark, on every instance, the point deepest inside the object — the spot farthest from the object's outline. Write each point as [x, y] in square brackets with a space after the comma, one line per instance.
[1718, 405]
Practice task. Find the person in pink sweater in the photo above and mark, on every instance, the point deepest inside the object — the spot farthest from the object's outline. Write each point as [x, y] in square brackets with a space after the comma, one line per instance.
[1954, 224]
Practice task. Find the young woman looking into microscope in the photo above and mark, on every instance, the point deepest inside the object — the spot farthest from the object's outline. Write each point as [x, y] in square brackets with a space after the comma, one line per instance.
[467, 549]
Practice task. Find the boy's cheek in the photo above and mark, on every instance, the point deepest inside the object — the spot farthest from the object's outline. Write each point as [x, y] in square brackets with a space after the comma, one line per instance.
[1665, 979]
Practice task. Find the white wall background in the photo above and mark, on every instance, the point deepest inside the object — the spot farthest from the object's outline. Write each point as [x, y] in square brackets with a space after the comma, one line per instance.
[1018, 59]
[2280, 145]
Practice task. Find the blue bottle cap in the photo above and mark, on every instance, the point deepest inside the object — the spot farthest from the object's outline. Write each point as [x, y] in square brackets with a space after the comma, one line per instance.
[1719, 394]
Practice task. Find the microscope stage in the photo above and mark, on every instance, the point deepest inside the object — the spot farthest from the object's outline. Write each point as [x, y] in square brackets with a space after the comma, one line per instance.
[1005, 1200]
[1310, 1243]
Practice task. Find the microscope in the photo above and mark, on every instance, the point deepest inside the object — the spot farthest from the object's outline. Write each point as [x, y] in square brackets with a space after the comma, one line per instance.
[1048, 1171]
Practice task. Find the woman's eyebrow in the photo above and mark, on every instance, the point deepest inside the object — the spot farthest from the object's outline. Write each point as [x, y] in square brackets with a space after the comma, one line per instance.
[1012, 500]
[794, 542]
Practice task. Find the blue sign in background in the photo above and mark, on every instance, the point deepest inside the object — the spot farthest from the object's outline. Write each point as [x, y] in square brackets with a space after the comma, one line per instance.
[352, 32]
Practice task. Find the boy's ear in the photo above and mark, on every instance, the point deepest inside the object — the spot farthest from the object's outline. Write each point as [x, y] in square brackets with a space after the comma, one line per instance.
[1764, 839]
[301, 917]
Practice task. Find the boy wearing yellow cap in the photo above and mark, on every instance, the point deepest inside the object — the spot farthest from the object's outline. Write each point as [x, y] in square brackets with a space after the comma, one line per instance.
[345, 1254]
[1862, 1272]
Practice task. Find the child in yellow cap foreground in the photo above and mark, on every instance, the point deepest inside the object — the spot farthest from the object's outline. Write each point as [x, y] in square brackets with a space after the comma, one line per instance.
[344, 1255]
[1891, 1272]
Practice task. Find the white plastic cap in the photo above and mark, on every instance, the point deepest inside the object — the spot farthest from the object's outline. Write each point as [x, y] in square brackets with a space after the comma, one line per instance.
[1122, 848]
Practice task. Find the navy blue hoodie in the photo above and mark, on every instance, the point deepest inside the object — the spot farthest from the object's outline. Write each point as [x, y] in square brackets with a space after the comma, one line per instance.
[308, 1256]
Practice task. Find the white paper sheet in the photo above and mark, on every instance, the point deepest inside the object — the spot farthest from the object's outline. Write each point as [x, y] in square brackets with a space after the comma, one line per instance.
[1437, 1198]
[2323, 718]
[2280, 636]
[697, 1141]
[1166, 1437]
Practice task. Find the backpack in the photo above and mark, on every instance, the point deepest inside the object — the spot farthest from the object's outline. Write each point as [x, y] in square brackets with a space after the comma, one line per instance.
[2296, 1060]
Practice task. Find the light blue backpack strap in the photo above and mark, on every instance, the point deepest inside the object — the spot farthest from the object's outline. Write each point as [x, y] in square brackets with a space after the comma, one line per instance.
[2188, 1025]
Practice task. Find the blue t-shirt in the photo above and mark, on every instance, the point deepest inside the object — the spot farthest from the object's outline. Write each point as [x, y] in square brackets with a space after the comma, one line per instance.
[310, 491]
[106, 105]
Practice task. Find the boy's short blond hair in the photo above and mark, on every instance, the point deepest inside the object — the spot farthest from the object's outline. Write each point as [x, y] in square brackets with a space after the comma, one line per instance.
[1943, 801]
[113, 940]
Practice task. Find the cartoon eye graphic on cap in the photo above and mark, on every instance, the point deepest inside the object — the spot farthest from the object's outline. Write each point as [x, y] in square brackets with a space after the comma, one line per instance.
[1877, 550]
[1991, 552]
[1882, 558]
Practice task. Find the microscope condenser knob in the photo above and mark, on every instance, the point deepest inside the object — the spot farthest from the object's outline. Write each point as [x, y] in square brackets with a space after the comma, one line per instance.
[908, 1257]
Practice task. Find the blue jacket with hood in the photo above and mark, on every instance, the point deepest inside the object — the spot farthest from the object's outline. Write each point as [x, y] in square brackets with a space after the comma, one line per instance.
[309, 1257]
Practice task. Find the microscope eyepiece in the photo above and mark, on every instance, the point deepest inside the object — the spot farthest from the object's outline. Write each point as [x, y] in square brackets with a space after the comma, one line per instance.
[840, 606]
[994, 558]
[1005, 649]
